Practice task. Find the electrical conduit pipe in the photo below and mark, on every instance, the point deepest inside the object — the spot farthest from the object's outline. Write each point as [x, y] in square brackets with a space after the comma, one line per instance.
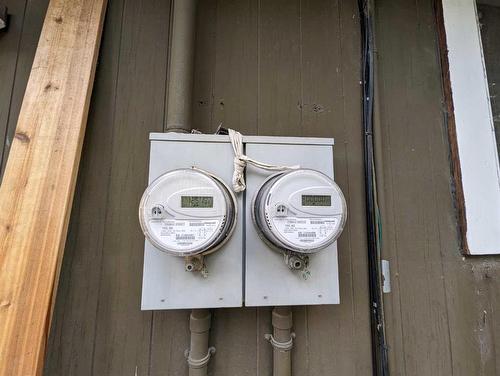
[181, 67]
[282, 341]
[179, 99]
[199, 353]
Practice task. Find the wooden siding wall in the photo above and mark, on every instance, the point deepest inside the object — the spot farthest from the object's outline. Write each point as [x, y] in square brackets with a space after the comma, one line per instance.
[443, 315]
[276, 67]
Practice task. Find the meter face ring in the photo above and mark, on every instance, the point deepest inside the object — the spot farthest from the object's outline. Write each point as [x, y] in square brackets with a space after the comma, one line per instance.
[188, 212]
[301, 210]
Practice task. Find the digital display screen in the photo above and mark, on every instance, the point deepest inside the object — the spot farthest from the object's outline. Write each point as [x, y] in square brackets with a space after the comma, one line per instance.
[197, 202]
[316, 200]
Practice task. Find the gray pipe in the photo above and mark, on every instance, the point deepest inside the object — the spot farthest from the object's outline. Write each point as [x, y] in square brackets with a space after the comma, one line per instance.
[178, 107]
[199, 353]
[282, 341]
[181, 67]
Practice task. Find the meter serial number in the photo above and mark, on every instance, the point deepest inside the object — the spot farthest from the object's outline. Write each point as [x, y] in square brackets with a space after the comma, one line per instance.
[316, 200]
[197, 202]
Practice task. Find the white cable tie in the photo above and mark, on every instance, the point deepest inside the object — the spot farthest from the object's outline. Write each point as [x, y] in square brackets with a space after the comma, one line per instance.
[241, 161]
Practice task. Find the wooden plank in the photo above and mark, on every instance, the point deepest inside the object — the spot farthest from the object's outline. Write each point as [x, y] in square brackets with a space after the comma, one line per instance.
[123, 332]
[72, 336]
[39, 180]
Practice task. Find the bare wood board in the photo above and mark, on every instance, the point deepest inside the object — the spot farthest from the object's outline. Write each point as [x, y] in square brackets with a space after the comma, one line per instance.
[39, 179]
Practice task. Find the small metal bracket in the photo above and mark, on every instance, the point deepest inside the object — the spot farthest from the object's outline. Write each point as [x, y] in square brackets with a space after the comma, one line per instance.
[283, 346]
[196, 264]
[199, 363]
[386, 277]
[297, 262]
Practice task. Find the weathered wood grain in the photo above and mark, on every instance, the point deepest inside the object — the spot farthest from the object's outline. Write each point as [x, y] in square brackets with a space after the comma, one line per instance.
[235, 87]
[72, 336]
[280, 108]
[38, 184]
[441, 312]
[123, 332]
[204, 66]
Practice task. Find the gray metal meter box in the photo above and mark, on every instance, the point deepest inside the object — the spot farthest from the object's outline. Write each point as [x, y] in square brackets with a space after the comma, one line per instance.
[268, 280]
[273, 244]
[166, 282]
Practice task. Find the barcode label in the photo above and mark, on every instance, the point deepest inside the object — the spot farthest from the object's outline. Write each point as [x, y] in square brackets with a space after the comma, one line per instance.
[184, 237]
[307, 234]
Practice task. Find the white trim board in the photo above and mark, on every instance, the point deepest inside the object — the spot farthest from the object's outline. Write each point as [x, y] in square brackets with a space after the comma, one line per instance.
[474, 127]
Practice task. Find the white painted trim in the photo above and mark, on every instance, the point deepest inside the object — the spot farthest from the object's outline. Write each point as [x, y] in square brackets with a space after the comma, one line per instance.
[474, 127]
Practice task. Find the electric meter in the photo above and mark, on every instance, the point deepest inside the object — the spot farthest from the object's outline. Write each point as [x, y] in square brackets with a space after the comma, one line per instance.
[187, 212]
[300, 211]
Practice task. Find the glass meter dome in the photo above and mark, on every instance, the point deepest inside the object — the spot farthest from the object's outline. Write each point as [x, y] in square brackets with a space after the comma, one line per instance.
[187, 212]
[302, 211]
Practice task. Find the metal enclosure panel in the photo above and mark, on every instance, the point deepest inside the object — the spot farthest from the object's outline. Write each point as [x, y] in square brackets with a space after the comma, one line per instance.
[268, 281]
[166, 285]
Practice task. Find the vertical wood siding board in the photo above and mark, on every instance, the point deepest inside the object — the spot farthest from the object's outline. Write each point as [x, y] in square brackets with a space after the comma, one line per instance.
[385, 15]
[234, 104]
[411, 230]
[10, 44]
[301, 349]
[264, 352]
[204, 66]
[279, 92]
[321, 92]
[73, 331]
[321, 78]
[169, 340]
[235, 87]
[353, 153]
[139, 110]
[428, 83]
[437, 145]
[32, 25]
[394, 325]
[233, 335]
[492, 278]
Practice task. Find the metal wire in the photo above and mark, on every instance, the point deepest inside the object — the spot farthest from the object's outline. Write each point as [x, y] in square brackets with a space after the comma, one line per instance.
[373, 222]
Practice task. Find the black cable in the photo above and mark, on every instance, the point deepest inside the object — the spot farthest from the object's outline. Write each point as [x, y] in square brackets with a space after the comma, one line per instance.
[379, 347]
